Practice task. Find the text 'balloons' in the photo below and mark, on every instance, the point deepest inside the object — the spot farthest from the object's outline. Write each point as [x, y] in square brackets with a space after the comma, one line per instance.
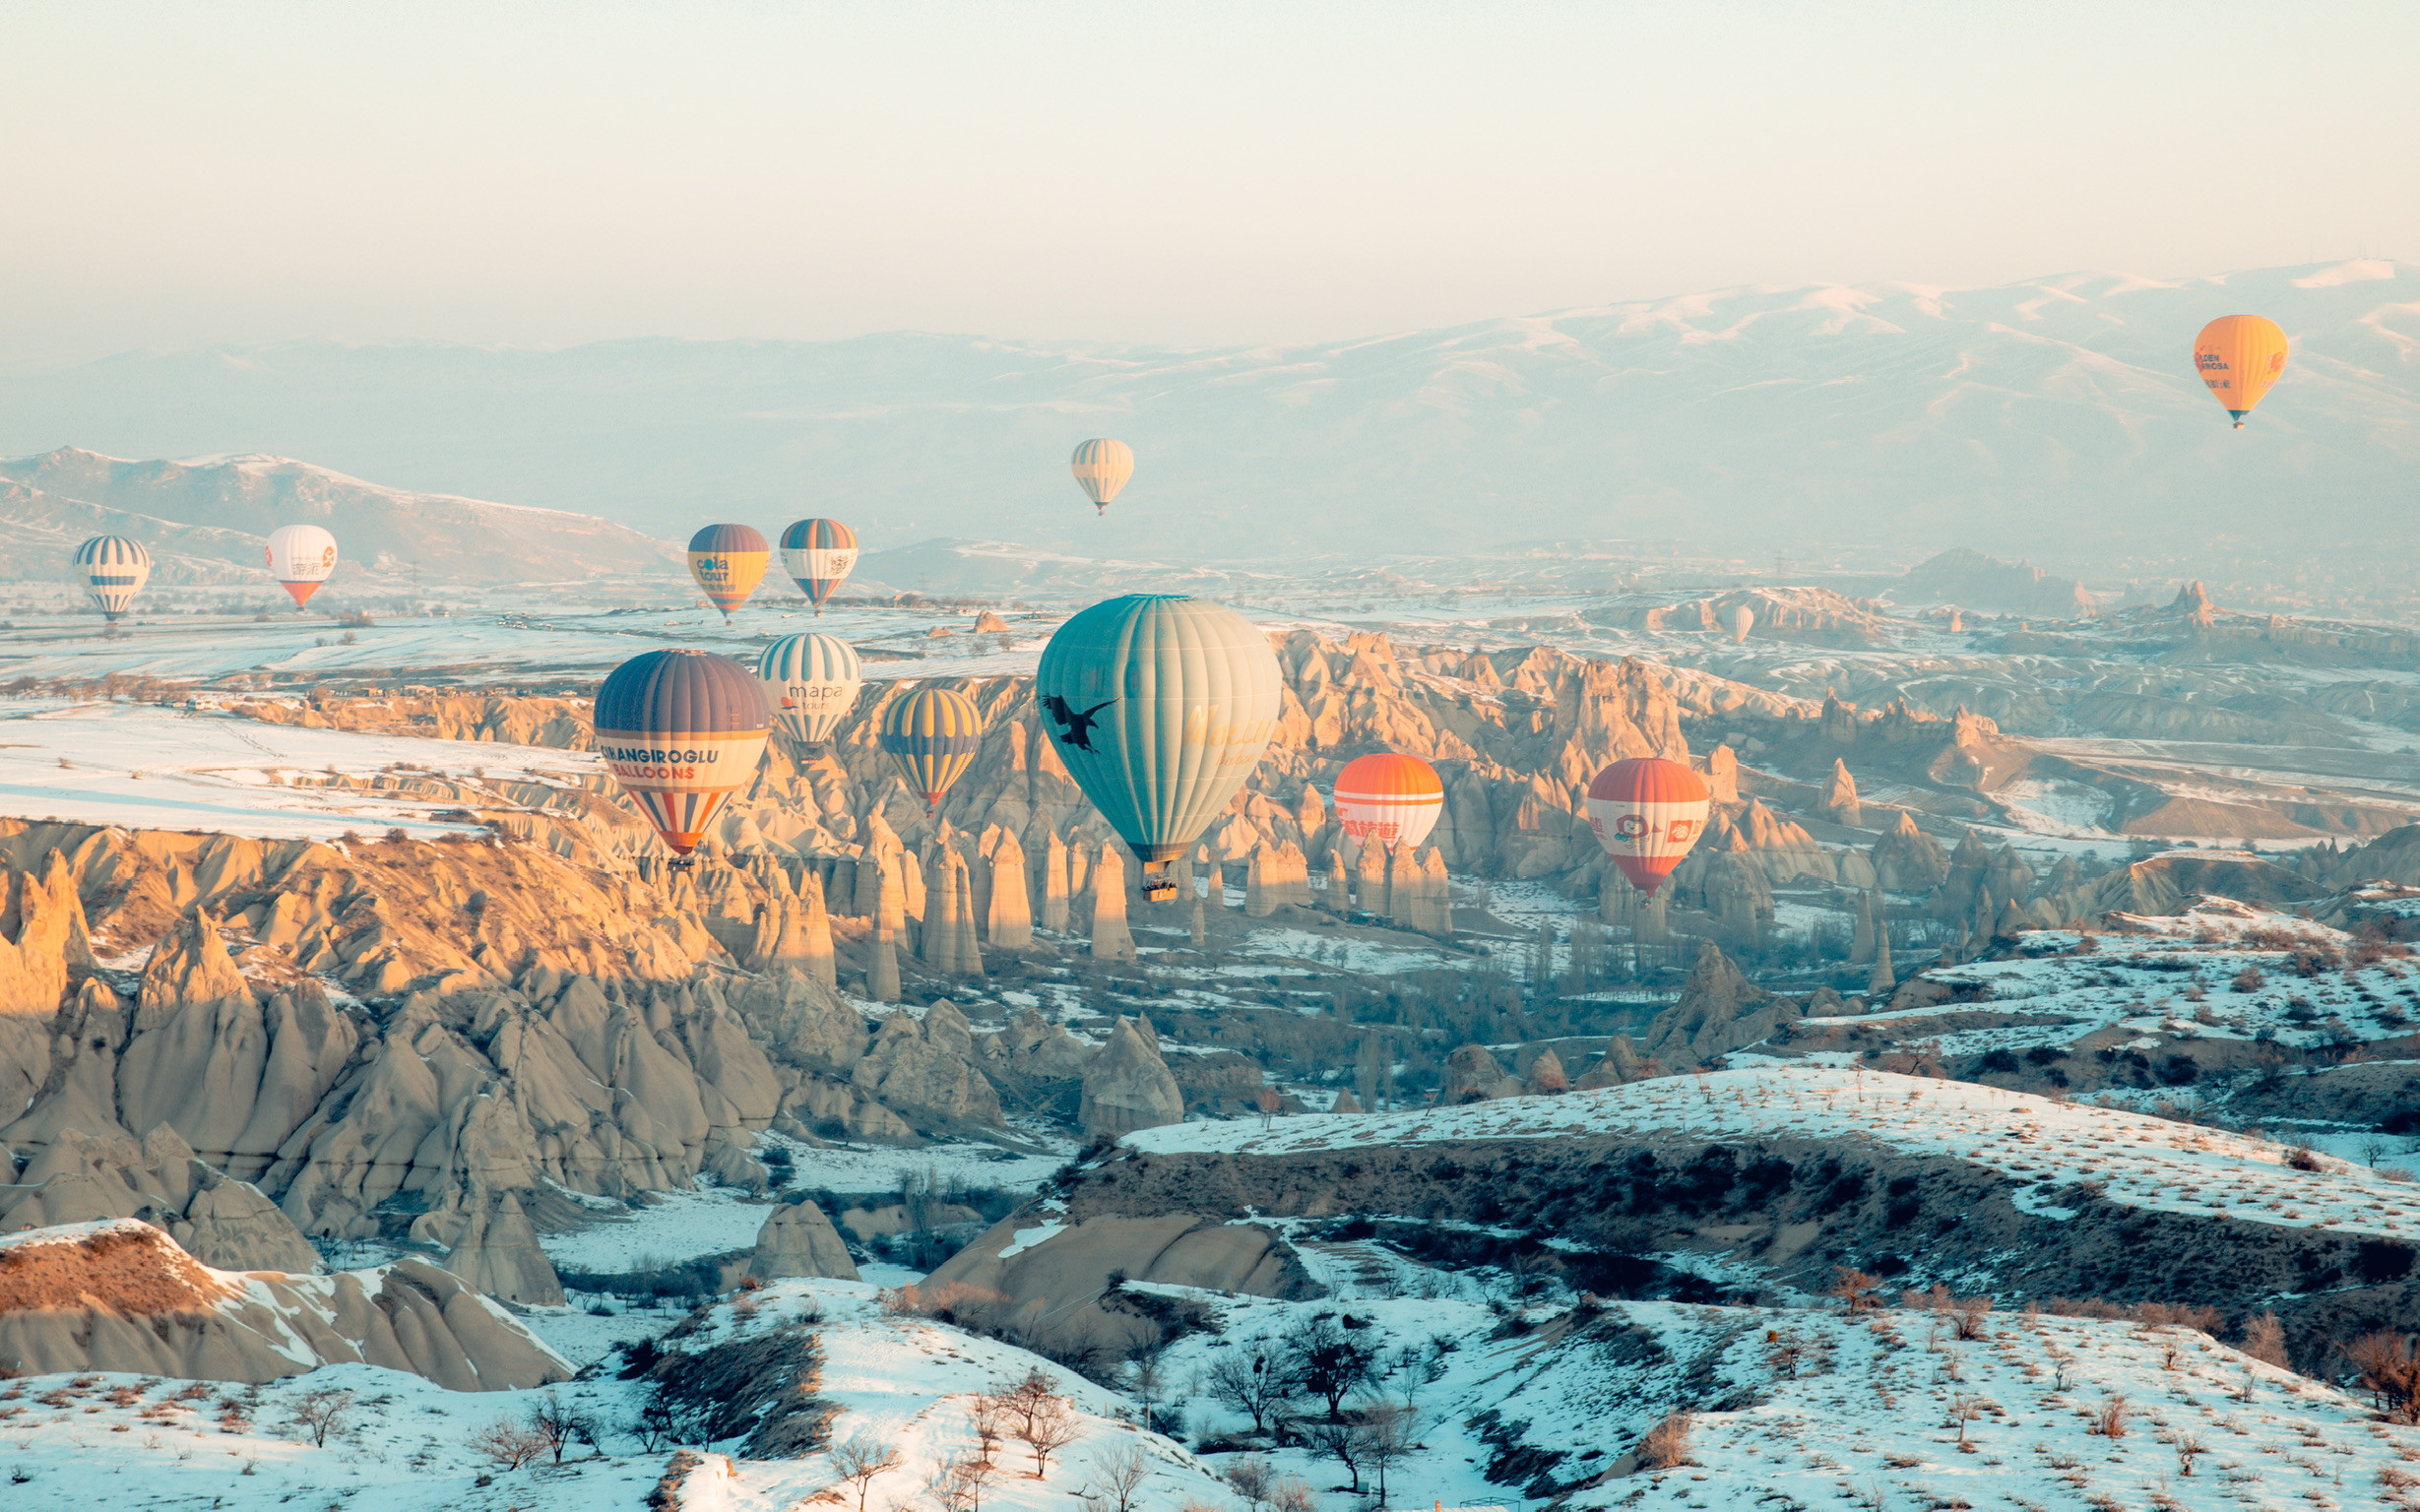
[682, 731]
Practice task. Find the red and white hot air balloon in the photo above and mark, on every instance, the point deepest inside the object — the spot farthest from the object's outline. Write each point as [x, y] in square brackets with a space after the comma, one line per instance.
[1391, 798]
[1647, 812]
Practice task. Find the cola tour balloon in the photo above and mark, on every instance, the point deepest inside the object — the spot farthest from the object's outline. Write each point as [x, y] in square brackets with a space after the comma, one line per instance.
[1647, 812]
[1102, 468]
[1388, 797]
[301, 558]
[1159, 704]
[729, 561]
[933, 735]
[818, 555]
[812, 683]
[2238, 358]
[114, 569]
[682, 731]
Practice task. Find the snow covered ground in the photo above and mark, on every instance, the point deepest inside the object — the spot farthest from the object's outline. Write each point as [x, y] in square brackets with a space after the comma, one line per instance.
[2044, 1146]
[146, 767]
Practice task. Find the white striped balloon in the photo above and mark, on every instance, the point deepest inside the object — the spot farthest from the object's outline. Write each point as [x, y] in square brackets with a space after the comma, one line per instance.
[811, 681]
[114, 571]
[1102, 468]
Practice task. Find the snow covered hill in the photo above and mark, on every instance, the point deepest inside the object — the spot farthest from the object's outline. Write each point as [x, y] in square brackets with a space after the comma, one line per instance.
[206, 520]
[2048, 417]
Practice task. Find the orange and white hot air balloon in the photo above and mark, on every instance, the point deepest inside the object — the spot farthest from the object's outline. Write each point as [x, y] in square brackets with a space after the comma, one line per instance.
[1391, 798]
[1647, 812]
[2239, 357]
[301, 557]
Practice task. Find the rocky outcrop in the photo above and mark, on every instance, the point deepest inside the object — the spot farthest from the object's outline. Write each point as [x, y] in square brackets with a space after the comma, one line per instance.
[797, 1239]
[498, 1253]
[927, 1068]
[1105, 896]
[1839, 802]
[1719, 1011]
[1472, 1075]
[121, 1296]
[80, 1178]
[1128, 1085]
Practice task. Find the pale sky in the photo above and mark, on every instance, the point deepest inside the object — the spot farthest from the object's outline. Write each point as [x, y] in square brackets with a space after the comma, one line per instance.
[174, 174]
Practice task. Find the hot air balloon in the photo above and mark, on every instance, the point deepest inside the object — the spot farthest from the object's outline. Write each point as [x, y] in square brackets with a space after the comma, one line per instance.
[1647, 812]
[2239, 357]
[301, 557]
[1102, 468]
[1161, 705]
[729, 561]
[682, 731]
[1742, 620]
[818, 554]
[810, 680]
[1390, 798]
[114, 571]
[933, 734]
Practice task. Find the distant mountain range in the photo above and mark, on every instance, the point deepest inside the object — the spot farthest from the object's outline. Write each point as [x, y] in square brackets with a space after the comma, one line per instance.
[2059, 417]
[206, 520]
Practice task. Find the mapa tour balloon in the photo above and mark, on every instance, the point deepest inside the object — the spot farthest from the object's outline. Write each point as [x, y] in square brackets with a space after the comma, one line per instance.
[811, 681]
[1391, 798]
[933, 735]
[818, 555]
[2239, 357]
[114, 571]
[1102, 468]
[1161, 705]
[301, 558]
[729, 561]
[1647, 812]
[682, 731]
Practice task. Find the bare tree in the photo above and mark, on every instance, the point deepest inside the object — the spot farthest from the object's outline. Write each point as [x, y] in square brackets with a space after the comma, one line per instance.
[1347, 1443]
[1329, 1362]
[1053, 1428]
[2264, 1341]
[958, 1483]
[1249, 1478]
[1252, 1379]
[2389, 1366]
[321, 1412]
[1665, 1445]
[508, 1444]
[990, 1416]
[1116, 1481]
[1292, 1494]
[1855, 1288]
[1390, 1433]
[557, 1424]
[859, 1461]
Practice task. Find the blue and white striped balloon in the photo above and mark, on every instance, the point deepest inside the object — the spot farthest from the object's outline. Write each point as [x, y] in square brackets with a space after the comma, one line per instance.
[811, 681]
[116, 570]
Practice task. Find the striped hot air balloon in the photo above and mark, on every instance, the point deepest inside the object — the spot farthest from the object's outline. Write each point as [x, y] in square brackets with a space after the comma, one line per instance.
[114, 571]
[933, 734]
[1390, 798]
[682, 731]
[1102, 468]
[818, 555]
[1161, 705]
[729, 561]
[301, 558]
[1647, 812]
[2239, 357]
[810, 680]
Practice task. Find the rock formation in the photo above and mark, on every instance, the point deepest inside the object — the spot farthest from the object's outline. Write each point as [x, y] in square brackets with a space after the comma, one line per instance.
[80, 1178]
[1839, 802]
[1128, 1085]
[498, 1253]
[1106, 892]
[1718, 1011]
[121, 1296]
[1472, 1075]
[797, 1239]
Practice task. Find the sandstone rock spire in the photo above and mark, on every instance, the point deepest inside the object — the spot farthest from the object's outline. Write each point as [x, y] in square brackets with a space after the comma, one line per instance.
[1839, 803]
[1128, 1085]
[1054, 885]
[797, 1239]
[1111, 940]
[1009, 920]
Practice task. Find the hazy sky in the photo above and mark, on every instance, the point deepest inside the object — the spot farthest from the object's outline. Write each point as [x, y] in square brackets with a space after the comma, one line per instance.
[179, 174]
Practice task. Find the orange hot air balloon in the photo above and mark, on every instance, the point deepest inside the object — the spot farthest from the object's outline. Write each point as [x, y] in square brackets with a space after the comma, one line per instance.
[1647, 812]
[1391, 798]
[2239, 357]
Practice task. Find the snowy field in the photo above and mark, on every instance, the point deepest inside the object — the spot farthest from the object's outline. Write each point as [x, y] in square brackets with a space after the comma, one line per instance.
[2043, 1146]
[145, 767]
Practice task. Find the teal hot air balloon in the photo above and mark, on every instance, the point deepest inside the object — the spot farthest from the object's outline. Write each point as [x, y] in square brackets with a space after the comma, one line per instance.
[1161, 705]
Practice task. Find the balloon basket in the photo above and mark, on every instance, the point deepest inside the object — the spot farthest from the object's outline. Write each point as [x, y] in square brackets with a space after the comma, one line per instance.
[1160, 891]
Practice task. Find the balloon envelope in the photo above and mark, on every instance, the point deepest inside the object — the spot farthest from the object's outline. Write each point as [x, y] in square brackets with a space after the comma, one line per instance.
[301, 557]
[682, 731]
[818, 555]
[1390, 798]
[114, 571]
[1647, 812]
[1102, 468]
[729, 561]
[1161, 705]
[811, 681]
[933, 735]
[2239, 357]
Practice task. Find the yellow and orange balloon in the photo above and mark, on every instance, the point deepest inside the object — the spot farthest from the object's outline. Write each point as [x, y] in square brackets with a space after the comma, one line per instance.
[2239, 357]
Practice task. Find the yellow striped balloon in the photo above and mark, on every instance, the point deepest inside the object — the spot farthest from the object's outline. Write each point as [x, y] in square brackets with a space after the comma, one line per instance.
[933, 734]
[1102, 468]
